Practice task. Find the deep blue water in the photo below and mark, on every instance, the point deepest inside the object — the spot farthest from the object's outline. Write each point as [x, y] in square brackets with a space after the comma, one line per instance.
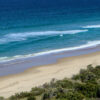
[35, 26]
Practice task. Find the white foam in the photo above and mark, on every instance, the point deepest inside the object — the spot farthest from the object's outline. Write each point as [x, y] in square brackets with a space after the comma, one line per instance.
[87, 45]
[23, 36]
[91, 26]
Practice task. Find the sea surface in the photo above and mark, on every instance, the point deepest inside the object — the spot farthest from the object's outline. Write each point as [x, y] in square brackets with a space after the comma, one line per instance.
[31, 28]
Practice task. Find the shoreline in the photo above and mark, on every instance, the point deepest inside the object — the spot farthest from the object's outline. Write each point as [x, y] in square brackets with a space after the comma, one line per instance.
[36, 76]
[20, 65]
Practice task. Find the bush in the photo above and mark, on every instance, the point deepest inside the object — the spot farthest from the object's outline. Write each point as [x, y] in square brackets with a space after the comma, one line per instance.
[2, 98]
[20, 95]
[90, 68]
[37, 91]
[98, 91]
[76, 77]
[88, 90]
[75, 96]
[31, 98]
[70, 95]
[96, 71]
[65, 83]
[45, 96]
[86, 76]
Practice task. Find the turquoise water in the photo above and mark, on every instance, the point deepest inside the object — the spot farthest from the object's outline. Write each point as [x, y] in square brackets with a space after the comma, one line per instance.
[36, 27]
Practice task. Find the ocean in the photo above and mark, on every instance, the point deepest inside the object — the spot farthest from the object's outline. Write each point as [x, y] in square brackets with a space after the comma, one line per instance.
[31, 28]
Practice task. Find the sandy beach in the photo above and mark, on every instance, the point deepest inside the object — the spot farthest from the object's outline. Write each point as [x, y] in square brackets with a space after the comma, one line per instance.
[37, 76]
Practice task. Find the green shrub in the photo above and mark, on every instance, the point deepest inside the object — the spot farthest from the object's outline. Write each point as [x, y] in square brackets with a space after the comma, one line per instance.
[2, 98]
[65, 83]
[13, 98]
[31, 98]
[90, 68]
[86, 75]
[37, 91]
[75, 96]
[76, 77]
[20, 95]
[96, 71]
[88, 90]
[45, 96]
[98, 91]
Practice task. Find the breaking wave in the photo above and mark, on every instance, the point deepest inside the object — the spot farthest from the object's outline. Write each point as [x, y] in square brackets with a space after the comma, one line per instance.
[87, 45]
[13, 37]
[91, 26]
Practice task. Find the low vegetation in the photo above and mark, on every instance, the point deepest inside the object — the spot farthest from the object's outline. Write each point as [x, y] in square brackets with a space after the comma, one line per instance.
[83, 86]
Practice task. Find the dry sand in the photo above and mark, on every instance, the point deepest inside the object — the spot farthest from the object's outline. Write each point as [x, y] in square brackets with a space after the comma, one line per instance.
[36, 76]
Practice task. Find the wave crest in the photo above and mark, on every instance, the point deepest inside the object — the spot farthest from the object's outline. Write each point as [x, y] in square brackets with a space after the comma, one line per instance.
[91, 26]
[13, 37]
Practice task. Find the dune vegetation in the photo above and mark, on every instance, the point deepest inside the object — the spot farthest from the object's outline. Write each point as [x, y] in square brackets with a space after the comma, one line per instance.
[83, 86]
